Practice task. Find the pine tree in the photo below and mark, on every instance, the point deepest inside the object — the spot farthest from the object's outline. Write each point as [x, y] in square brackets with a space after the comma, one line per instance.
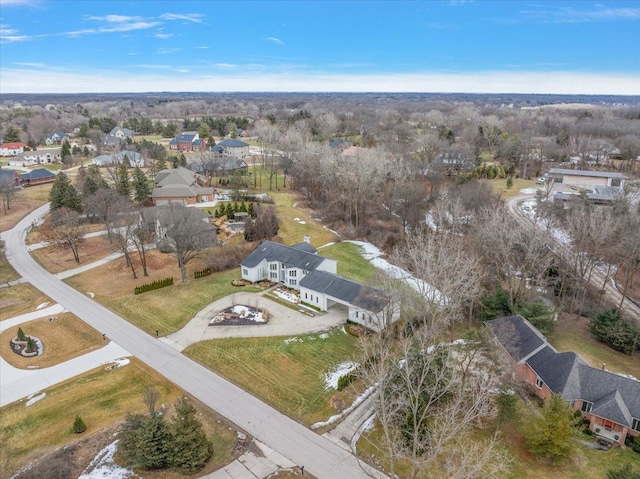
[79, 426]
[154, 443]
[191, 449]
[21, 336]
[549, 436]
[123, 185]
[64, 194]
[141, 185]
[65, 152]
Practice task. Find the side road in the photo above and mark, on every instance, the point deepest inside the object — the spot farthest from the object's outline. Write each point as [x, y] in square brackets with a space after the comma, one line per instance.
[320, 456]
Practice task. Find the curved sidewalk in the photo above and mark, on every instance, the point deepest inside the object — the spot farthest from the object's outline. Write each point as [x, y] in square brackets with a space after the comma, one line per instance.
[283, 321]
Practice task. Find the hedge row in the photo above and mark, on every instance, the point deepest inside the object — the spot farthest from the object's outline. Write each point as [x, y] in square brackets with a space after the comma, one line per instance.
[160, 283]
[201, 273]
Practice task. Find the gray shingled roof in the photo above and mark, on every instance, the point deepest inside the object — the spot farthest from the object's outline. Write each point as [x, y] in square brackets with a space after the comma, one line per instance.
[555, 368]
[613, 407]
[232, 143]
[172, 191]
[366, 297]
[598, 174]
[517, 336]
[37, 174]
[304, 246]
[285, 254]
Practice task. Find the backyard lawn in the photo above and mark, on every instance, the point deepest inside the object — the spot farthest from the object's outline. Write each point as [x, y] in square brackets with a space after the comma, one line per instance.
[286, 372]
[19, 299]
[24, 201]
[351, 264]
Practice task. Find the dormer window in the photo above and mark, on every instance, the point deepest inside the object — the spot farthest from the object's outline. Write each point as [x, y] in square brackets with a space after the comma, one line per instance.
[635, 425]
[586, 406]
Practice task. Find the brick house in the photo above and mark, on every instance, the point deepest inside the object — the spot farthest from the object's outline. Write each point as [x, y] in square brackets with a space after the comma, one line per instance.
[188, 141]
[610, 402]
[38, 176]
[180, 185]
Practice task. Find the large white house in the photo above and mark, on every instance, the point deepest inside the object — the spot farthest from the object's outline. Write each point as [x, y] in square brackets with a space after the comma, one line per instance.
[300, 267]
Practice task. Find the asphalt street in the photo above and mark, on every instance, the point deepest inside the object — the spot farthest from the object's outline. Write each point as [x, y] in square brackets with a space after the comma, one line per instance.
[320, 456]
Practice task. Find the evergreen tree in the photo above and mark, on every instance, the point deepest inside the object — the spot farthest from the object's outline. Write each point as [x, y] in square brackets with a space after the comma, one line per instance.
[228, 210]
[250, 209]
[141, 185]
[79, 426]
[183, 160]
[549, 435]
[154, 443]
[21, 336]
[191, 449]
[123, 185]
[538, 314]
[243, 207]
[65, 152]
[11, 134]
[128, 439]
[64, 194]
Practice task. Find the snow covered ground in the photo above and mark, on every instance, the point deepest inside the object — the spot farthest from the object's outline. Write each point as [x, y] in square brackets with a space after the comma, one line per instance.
[331, 378]
[103, 467]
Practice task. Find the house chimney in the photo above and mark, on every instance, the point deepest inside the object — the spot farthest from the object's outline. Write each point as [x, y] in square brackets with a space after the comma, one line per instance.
[307, 239]
[604, 366]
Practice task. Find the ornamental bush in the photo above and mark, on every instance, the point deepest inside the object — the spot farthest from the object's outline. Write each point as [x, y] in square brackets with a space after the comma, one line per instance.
[157, 284]
[79, 426]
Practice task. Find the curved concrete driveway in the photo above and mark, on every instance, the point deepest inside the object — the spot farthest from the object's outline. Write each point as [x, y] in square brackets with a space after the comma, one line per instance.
[283, 321]
[320, 456]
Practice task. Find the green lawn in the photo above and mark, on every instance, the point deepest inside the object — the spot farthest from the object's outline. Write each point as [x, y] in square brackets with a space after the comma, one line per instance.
[285, 372]
[351, 264]
[169, 309]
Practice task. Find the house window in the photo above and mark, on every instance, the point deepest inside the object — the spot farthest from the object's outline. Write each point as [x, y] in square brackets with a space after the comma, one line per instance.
[305, 295]
[539, 383]
[356, 314]
[293, 282]
[635, 425]
[273, 266]
[245, 271]
[273, 275]
[293, 273]
[282, 265]
[586, 406]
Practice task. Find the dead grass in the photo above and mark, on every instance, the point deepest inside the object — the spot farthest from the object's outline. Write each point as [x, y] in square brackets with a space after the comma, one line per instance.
[101, 398]
[35, 234]
[572, 334]
[55, 259]
[64, 338]
[500, 186]
[24, 202]
[19, 299]
[7, 273]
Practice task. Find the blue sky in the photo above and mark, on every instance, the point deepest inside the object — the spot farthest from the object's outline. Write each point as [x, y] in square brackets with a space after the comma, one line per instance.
[418, 46]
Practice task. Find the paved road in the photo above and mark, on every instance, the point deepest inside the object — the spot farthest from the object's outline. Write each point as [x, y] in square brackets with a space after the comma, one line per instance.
[321, 457]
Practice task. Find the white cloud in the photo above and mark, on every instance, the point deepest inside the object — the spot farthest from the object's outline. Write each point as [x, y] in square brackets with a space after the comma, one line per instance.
[32, 65]
[203, 47]
[167, 51]
[152, 66]
[275, 40]
[162, 35]
[572, 15]
[5, 3]
[12, 81]
[10, 35]
[189, 17]
[226, 66]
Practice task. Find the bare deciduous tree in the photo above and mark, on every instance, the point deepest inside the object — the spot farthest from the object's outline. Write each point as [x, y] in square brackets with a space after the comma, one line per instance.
[66, 231]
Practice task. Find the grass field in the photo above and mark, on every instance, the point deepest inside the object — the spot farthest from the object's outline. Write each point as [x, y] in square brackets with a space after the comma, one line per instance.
[572, 334]
[166, 309]
[56, 259]
[65, 338]
[19, 299]
[24, 201]
[351, 264]
[101, 398]
[285, 372]
[500, 186]
[7, 273]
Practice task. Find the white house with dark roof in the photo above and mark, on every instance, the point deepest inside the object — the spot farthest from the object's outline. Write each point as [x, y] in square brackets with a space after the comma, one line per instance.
[610, 402]
[585, 178]
[56, 138]
[301, 268]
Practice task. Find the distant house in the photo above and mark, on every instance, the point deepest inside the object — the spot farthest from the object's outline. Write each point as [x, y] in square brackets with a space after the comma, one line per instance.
[234, 148]
[180, 185]
[610, 402]
[121, 133]
[586, 179]
[56, 138]
[599, 195]
[45, 156]
[134, 158]
[37, 177]
[157, 218]
[340, 144]
[451, 162]
[111, 142]
[9, 177]
[188, 141]
[12, 149]
[219, 166]
[300, 267]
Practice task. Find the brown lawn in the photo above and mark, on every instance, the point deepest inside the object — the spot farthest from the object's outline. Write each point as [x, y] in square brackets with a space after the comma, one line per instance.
[24, 202]
[35, 234]
[64, 338]
[19, 299]
[56, 259]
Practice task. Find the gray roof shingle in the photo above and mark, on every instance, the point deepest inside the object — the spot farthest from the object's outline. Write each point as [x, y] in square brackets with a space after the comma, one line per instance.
[285, 254]
[517, 336]
[366, 297]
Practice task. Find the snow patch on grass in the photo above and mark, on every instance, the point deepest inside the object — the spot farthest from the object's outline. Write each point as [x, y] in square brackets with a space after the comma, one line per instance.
[331, 378]
[117, 363]
[34, 398]
[354, 405]
[42, 305]
[103, 467]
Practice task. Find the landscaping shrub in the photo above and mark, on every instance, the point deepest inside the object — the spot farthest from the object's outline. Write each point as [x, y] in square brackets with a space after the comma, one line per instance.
[157, 284]
[79, 426]
[201, 273]
[230, 257]
[506, 407]
[21, 336]
[31, 345]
